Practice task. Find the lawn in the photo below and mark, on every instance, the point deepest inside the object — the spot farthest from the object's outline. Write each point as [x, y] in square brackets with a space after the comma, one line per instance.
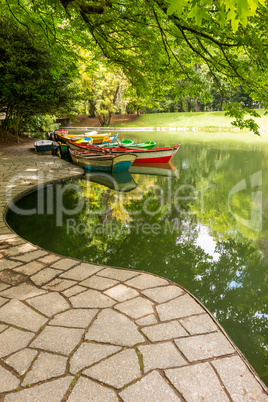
[203, 120]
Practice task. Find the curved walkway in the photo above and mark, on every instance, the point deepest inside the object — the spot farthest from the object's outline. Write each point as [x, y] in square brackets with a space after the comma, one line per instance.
[74, 331]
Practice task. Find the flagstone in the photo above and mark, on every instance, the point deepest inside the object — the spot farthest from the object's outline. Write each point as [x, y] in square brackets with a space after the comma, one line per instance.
[165, 331]
[98, 282]
[89, 353]
[121, 293]
[3, 301]
[144, 281]
[3, 327]
[22, 292]
[46, 366]
[20, 249]
[49, 259]
[81, 272]
[21, 361]
[8, 264]
[182, 306]
[88, 390]
[149, 319]
[204, 346]
[44, 276]
[12, 340]
[30, 256]
[30, 269]
[57, 339]
[113, 327]
[77, 318]
[117, 370]
[91, 299]
[163, 293]
[136, 308]
[17, 314]
[8, 382]
[150, 388]
[49, 303]
[74, 290]
[59, 284]
[161, 356]
[11, 277]
[55, 389]
[238, 381]
[199, 324]
[198, 382]
[118, 274]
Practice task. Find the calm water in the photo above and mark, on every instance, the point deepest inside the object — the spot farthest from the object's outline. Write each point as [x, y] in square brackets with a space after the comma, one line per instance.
[203, 225]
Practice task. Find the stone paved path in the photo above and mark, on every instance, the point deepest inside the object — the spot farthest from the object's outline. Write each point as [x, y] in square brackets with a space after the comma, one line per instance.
[74, 331]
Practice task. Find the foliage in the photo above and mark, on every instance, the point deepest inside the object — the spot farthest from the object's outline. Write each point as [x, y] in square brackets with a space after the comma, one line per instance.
[237, 111]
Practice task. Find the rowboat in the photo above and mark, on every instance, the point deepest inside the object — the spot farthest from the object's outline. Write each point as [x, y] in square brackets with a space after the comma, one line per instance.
[144, 145]
[45, 146]
[97, 139]
[120, 181]
[126, 143]
[104, 162]
[155, 155]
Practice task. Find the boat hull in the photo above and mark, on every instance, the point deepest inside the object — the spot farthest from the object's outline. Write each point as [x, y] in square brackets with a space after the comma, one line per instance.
[103, 163]
[156, 155]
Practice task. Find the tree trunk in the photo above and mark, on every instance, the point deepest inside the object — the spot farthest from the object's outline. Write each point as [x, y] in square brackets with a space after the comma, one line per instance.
[221, 102]
[197, 106]
[92, 109]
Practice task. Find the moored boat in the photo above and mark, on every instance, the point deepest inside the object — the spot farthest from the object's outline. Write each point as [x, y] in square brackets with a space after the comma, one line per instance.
[155, 155]
[144, 145]
[104, 162]
[47, 146]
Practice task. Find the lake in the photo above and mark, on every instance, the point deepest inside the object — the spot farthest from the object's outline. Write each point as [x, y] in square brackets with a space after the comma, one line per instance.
[201, 222]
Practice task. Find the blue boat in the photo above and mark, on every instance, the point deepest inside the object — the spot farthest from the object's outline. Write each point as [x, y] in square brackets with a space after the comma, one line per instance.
[46, 146]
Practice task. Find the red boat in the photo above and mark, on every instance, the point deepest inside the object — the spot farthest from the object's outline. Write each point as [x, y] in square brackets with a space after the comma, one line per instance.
[155, 155]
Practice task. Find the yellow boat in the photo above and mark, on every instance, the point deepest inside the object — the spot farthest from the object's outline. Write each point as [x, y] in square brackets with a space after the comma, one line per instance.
[80, 138]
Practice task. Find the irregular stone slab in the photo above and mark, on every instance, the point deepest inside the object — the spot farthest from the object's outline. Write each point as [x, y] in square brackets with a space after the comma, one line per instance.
[238, 380]
[88, 390]
[55, 389]
[48, 259]
[119, 274]
[3, 327]
[162, 332]
[161, 356]
[136, 308]
[59, 284]
[204, 346]
[8, 382]
[24, 248]
[149, 319]
[78, 318]
[12, 277]
[198, 382]
[80, 272]
[44, 276]
[115, 328]
[30, 256]
[46, 366]
[3, 301]
[16, 313]
[30, 269]
[121, 293]
[98, 282]
[21, 360]
[57, 339]
[22, 292]
[13, 340]
[164, 293]
[91, 299]
[89, 353]
[183, 306]
[117, 370]
[74, 290]
[64, 264]
[150, 388]
[199, 324]
[8, 264]
[49, 303]
[144, 281]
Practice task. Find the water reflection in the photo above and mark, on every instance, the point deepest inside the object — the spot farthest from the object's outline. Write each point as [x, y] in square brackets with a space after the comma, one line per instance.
[205, 229]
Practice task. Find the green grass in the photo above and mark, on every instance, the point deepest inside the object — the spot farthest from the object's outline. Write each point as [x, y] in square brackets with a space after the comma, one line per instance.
[204, 120]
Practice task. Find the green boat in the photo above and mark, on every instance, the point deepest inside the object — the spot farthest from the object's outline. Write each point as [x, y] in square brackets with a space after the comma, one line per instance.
[145, 145]
[126, 143]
